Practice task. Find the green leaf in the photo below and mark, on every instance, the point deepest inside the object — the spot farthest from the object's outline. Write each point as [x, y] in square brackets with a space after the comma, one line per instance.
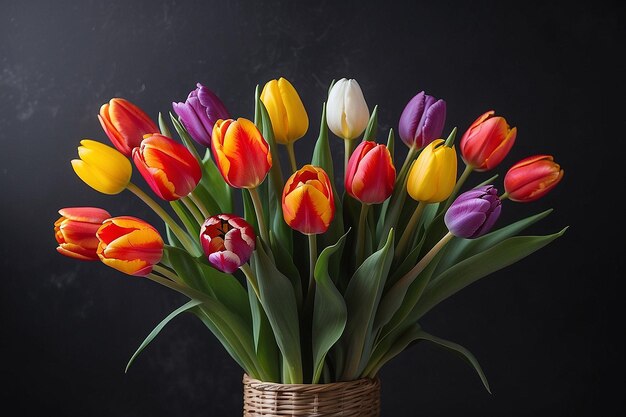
[186, 217]
[450, 140]
[213, 182]
[189, 305]
[459, 350]
[264, 341]
[480, 265]
[285, 264]
[329, 312]
[163, 126]
[322, 156]
[459, 249]
[279, 302]
[389, 348]
[185, 137]
[362, 298]
[390, 143]
[372, 126]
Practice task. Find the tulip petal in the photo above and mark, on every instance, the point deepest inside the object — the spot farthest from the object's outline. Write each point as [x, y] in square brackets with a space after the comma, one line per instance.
[225, 261]
[297, 118]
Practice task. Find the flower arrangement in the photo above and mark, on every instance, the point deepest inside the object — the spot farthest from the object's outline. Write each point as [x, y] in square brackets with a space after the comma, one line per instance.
[303, 275]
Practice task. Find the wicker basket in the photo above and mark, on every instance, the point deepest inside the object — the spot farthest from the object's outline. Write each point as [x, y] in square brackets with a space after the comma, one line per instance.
[354, 398]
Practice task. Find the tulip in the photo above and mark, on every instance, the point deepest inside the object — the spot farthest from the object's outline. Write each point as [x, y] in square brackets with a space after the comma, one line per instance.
[75, 231]
[199, 113]
[308, 201]
[125, 124]
[487, 141]
[228, 241]
[433, 174]
[347, 114]
[473, 213]
[532, 178]
[129, 245]
[287, 114]
[422, 120]
[371, 174]
[102, 167]
[241, 153]
[167, 166]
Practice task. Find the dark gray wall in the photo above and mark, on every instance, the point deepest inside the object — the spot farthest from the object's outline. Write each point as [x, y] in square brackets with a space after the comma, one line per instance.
[547, 330]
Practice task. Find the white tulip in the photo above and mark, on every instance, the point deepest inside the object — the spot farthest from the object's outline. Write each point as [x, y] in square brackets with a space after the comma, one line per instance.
[347, 114]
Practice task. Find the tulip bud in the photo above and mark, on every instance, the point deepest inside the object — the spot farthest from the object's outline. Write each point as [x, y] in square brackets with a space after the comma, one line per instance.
[199, 113]
[287, 114]
[532, 178]
[347, 114]
[125, 124]
[167, 166]
[129, 245]
[371, 174]
[422, 120]
[240, 152]
[474, 212]
[228, 241]
[102, 167]
[487, 141]
[308, 201]
[433, 174]
[75, 231]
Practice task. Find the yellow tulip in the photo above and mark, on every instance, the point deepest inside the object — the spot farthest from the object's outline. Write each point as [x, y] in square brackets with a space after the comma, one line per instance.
[102, 167]
[433, 175]
[289, 119]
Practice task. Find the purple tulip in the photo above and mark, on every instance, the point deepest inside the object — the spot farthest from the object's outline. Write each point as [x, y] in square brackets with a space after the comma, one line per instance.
[199, 113]
[422, 120]
[474, 212]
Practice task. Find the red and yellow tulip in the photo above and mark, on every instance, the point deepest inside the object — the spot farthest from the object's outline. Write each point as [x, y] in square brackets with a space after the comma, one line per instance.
[167, 166]
[125, 124]
[433, 175]
[129, 245]
[102, 167]
[75, 231]
[371, 174]
[240, 152]
[532, 178]
[487, 141]
[287, 113]
[308, 201]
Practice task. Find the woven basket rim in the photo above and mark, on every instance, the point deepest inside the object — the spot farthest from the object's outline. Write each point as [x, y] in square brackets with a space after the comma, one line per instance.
[277, 386]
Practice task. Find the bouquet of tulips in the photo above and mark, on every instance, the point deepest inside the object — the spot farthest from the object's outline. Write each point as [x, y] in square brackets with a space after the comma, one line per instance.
[303, 275]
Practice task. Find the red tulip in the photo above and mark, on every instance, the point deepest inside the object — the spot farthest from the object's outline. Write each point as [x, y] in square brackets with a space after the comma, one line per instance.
[169, 168]
[75, 231]
[129, 245]
[240, 152]
[371, 174]
[125, 124]
[487, 141]
[228, 241]
[308, 201]
[532, 178]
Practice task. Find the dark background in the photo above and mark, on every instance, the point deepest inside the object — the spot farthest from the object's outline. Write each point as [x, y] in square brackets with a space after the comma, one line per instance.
[548, 330]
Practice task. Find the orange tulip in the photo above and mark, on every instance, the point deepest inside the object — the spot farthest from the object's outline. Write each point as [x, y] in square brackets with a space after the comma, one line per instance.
[167, 166]
[308, 201]
[240, 152]
[487, 141]
[532, 178]
[129, 245]
[75, 231]
[371, 174]
[125, 124]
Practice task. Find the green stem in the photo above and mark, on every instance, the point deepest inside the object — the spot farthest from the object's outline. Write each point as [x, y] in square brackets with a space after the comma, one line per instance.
[247, 271]
[312, 262]
[407, 161]
[504, 196]
[360, 239]
[292, 156]
[193, 209]
[168, 273]
[258, 210]
[189, 292]
[466, 172]
[200, 205]
[408, 230]
[347, 144]
[184, 238]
